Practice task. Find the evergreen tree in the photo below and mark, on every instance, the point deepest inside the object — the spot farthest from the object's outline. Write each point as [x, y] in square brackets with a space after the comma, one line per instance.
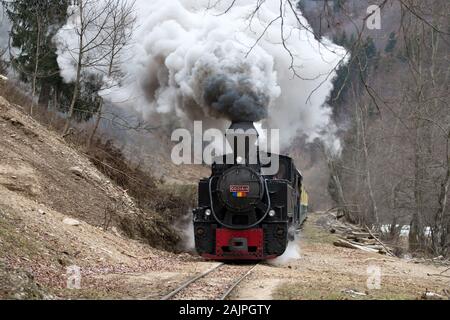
[301, 5]
[344, 40]
[370, 48]
[392, 43]
[88, 100]
[363, 58]
[338, 5]
[33, 26]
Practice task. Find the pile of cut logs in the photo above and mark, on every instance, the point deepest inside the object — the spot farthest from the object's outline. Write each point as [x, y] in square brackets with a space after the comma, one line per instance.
[354, 237]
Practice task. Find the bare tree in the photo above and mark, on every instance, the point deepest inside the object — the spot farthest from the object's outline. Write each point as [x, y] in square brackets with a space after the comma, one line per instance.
[102, 26]
[337, 192]
[373, 216]
[37, 61]
[396, 157]
[122, 25]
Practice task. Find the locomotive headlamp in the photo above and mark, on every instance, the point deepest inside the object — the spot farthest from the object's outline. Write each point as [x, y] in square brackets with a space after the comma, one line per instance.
[272, 213]
[240, 160]
[208, 212]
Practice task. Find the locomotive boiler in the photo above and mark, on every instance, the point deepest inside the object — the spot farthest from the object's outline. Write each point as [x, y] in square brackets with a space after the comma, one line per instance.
[245, 212]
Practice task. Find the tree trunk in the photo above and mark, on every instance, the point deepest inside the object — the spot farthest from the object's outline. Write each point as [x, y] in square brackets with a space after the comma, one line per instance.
[373, 204]
[416, 235]
[97, 123]
[55, 106]
[73, 102]
[441, 232]
[78, 77]
[36, 67]
[44, 94]
[446, 240]
[339, 191]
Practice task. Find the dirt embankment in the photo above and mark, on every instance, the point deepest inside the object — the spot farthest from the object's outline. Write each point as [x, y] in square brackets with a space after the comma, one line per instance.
[58, 210]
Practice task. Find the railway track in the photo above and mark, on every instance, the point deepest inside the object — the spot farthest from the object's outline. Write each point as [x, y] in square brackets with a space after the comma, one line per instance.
[217, 283]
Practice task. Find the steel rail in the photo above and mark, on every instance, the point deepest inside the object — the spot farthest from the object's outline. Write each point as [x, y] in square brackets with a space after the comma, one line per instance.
[189, 282]
[224, 296]
[236, 284]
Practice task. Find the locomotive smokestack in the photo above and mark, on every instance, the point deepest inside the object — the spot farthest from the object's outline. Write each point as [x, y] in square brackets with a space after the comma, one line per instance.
[243, 137]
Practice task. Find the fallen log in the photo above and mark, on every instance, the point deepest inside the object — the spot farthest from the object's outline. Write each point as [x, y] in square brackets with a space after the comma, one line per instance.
[360, 238]
[349, 245]
[375, 247]
[361, 235]
[366, 242]
[388, 251]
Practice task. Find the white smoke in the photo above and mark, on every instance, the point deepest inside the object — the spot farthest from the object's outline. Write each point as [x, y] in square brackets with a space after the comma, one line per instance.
[333, 146]
[67, 43]
[291, 254]
[180, 45]
[185, 229]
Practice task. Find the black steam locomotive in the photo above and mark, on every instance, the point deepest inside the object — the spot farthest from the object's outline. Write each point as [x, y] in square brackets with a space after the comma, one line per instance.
[245, 213]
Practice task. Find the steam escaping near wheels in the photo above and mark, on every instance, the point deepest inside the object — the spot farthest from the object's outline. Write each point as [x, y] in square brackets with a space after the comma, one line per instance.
[292, 253]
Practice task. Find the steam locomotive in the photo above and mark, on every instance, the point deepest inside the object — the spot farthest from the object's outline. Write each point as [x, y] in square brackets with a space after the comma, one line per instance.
[244, 211]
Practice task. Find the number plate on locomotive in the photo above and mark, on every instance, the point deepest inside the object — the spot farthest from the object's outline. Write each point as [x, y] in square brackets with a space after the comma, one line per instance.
[236, 188]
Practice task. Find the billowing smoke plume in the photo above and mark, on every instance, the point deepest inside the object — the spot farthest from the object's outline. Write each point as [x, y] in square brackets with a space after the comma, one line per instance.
[236, 100]
[200, 61]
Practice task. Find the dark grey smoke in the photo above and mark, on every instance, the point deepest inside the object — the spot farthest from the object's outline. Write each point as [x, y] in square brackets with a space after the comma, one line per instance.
[237, 100]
